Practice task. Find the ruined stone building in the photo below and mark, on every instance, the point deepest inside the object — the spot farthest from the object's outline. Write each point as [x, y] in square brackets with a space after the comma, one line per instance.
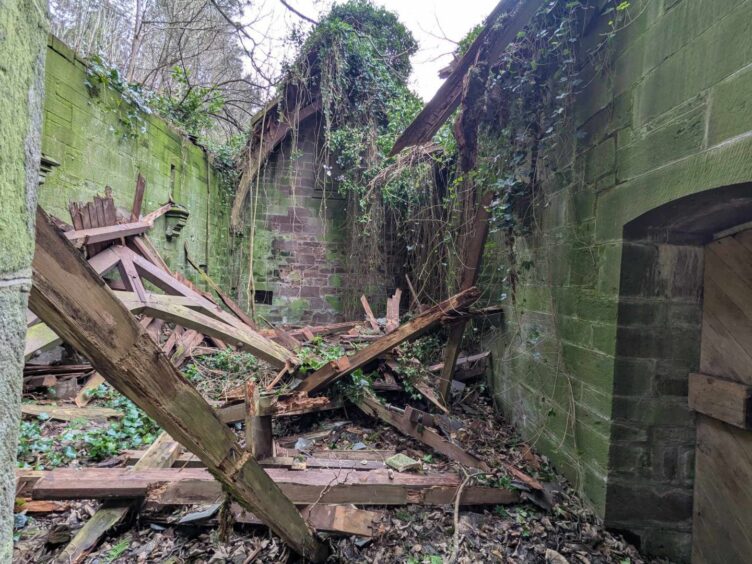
[631, 303]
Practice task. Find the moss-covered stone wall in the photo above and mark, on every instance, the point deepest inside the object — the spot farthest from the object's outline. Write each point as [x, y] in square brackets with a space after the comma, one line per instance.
[23, 26]
[84, 134]
[298, 235]
[600, 333]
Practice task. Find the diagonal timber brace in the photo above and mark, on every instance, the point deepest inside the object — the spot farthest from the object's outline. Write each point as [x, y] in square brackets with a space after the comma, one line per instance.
[74, 301]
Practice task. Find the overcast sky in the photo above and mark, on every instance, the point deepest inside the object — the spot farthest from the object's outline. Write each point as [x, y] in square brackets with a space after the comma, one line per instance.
[429, 20]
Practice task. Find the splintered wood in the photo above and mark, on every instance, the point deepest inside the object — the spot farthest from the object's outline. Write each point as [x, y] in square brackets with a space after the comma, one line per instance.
[69, 296]
[72, 303]
[410, 330]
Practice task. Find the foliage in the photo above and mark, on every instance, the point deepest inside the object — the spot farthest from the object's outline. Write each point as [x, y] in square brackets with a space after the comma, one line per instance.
[190, 106]
[82, 441]
[356, 387]
[357, 61]
[318, 353]
[413, 361]
[130, 104]
[214, 374]
[231, 363]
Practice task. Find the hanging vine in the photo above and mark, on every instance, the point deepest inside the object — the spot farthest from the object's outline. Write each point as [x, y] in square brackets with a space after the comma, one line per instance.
[356, 63]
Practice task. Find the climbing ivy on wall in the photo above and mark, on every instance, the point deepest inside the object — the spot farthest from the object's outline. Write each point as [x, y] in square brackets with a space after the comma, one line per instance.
[526, 133]
[356, 62]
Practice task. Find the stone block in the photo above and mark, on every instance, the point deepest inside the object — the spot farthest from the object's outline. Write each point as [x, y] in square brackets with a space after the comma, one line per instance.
[666, 541]
[635, 502]
[730, 108]
[634, 377]
[674, 140]
[704, 61]
[600, 160]
[589, 367]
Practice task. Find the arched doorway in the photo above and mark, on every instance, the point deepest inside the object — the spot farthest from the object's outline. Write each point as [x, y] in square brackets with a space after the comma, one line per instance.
[660, 341]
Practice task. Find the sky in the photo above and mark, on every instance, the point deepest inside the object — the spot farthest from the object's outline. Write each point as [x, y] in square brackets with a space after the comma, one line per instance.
[430, 21]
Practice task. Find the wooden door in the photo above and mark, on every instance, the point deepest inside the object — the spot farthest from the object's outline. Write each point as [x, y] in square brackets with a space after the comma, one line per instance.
[722, 521]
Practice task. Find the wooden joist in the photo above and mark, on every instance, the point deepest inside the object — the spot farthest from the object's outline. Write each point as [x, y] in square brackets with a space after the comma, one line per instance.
[337, 519]
[402, 421]
[346, 460]
[108, 233]
[410, 330]
[326, 486]
[69, 296]
[62, 413]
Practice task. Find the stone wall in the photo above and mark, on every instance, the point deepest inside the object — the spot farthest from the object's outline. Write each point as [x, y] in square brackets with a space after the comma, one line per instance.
[82, 132]
[298, 234]
[603, 327]
[296, 242]
[22, 33]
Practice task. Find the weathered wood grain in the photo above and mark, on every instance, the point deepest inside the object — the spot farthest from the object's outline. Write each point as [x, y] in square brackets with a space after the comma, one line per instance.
[69, 296]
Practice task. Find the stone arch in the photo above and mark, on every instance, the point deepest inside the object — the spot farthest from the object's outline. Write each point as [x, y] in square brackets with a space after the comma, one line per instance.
[651, 457]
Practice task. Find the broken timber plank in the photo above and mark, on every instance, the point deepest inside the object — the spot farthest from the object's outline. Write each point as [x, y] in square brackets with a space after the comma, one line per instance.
[161, 454]
[259, 439]
[369, 313]
[244, 338]
[162, 487]
[61, 413]
[473, 255]
[227, 300]
[337, 519]
[236, 412]
[392, 311]
[138, 198]
[461, 361]
[401, 421]
[410, 330]
[107, 233]
[68, 295]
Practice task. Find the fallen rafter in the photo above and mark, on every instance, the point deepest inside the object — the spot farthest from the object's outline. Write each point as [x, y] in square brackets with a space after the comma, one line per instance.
[175, 486]
[403, 421]
[69, 296]
[410, 330]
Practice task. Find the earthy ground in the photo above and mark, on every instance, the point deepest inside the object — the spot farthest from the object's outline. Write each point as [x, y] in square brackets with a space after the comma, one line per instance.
[556, 527]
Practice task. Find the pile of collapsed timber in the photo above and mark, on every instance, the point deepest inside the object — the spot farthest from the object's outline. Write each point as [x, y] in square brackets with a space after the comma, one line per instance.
[90, 281]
